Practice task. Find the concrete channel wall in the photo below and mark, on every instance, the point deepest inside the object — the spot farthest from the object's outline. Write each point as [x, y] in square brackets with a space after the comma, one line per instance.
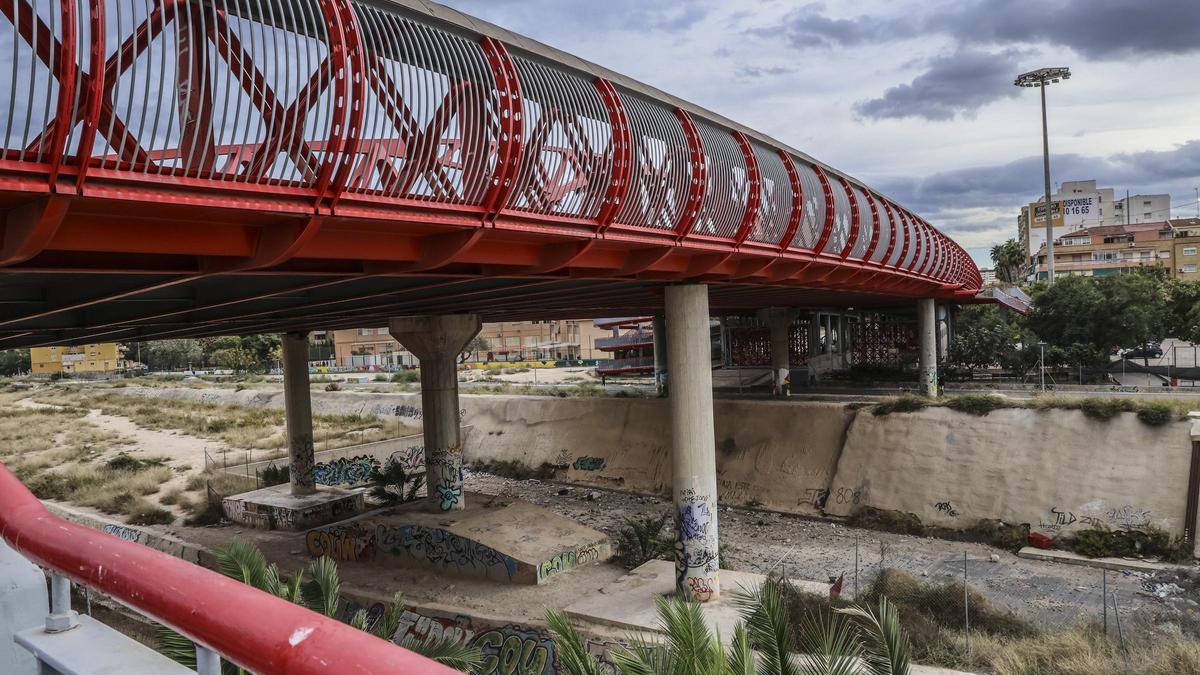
[1056, 470]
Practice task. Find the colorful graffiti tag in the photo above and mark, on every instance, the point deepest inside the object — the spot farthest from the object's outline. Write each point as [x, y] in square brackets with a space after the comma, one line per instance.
[345, 470]
[341, 542]
[445, 550]
[411, 458]
[565, 561]
[695, 546]
[588, 464]
[446, 478]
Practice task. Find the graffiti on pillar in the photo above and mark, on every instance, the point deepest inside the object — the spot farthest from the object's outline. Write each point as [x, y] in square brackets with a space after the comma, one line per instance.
[410, 411]
[301, 466]
[345, 470]
[447, 474]
[588, 464]
[700, 588]
[695, 550]
[446, 550]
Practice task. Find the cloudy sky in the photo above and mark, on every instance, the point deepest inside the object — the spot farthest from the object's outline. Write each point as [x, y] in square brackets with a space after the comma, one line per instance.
[915, 97]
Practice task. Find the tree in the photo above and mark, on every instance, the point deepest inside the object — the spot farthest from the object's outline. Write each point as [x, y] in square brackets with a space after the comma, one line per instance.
[1010, 260]
[1089, 317]
[248, 353]
[14, 361]
[171, 354]
[1183, 309]
[851, 640]
[982, 338]
[246, 563]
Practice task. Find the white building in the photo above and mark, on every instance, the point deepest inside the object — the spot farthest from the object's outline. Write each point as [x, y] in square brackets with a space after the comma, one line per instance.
[1079, 204]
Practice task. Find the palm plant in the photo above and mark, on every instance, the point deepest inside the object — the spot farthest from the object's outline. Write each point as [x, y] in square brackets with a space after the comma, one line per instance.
[854, 641]
[394, 484]
[322, 594]
[642, 540]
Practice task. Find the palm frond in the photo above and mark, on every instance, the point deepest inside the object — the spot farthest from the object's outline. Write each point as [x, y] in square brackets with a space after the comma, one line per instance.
[446, 651]
[830, 645]
[884, 641]
[174, 646]
[689, 641]
[387, 624]
[573, 656]
[765, 613]
[324, 594]
[642, 658]
[359, 620]
[243, 561]
[741, 657]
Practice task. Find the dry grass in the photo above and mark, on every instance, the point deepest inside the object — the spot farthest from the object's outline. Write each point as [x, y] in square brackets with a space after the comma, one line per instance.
[1083, 650]
[248, 428]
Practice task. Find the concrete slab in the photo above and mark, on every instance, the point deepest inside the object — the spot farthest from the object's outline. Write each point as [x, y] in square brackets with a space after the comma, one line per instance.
[1119, 564]
[501, 539]
[630, 602]
[276, 508]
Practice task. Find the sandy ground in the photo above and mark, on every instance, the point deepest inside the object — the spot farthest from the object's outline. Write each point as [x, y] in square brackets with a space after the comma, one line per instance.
[802, 548]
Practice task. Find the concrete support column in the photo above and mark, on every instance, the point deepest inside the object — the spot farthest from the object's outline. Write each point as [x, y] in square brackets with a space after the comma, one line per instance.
[927, 335]
[659, 326]
[693, 445]
[779, 322]
[297, 403]
[437, 341]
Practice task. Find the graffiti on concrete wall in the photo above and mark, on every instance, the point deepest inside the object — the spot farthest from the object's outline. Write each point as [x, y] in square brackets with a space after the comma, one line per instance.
[351, 542]
[411, 458]
[589, 464]
[126, 533]
[445, 550]
[567, 560]
[345, 470]
[1095, 514]
[946, 508]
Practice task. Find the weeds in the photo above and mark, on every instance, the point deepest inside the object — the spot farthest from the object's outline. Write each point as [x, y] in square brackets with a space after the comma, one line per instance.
[900, 404]
[1156, 414]
[395, 485]
[1102, 542]
[642, 540]
[144, 513]
[976, 404]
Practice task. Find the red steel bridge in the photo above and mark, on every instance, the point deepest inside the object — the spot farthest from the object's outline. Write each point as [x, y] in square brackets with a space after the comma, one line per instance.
[178, 168]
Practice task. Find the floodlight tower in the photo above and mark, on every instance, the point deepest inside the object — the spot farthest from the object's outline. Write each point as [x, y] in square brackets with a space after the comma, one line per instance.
[1042, 78]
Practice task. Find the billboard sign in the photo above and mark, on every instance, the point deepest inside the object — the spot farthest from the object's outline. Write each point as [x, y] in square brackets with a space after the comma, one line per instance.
[1056, 215]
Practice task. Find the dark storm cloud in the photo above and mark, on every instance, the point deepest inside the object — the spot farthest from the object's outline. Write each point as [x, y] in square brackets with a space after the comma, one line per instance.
[1008, 186]
[954, 84]
[1096, 29]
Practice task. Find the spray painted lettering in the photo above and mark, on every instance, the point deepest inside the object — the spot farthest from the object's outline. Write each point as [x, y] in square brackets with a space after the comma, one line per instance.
[946, 508]
[345, 470]
[589, 464]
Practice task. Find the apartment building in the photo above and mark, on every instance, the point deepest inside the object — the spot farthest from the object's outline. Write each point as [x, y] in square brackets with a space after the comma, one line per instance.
[1111, 249]
[103, 357]
[1080, 205]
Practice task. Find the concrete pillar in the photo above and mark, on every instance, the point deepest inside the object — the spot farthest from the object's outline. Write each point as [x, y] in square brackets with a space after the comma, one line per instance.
[437, 341]
[693, 445]
[297, 403]
[659, 327]
[927, 335]
[779, 322]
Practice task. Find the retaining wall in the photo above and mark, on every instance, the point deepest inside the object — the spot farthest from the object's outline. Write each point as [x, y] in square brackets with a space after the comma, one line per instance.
[1056, 470]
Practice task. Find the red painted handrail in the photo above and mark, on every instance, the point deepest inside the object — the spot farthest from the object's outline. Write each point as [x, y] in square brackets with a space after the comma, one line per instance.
[249, 627]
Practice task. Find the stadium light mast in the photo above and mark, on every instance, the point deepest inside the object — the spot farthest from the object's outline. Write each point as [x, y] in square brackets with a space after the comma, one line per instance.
[1042, 78]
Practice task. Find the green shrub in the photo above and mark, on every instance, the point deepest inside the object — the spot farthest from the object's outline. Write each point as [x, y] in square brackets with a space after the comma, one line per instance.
[125, 462]
[1103, 542]
[977, 404]
[148, 514]
[1105, 408]
[901, 404]
[333, 386]
[274, 475]
[1156, 414]
[642, 540]
[406, 376]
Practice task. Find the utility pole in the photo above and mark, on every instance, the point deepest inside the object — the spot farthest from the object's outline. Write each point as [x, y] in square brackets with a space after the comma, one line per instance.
[1042, 78]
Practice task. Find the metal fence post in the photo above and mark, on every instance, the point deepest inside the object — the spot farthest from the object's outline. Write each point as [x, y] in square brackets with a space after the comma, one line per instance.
[1120, 633]
[1104, 597]
[208, 662]
[856, 568]
[61, 618]
[966, 608]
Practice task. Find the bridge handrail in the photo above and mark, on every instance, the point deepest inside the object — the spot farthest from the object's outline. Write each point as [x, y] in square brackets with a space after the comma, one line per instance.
[249, 627]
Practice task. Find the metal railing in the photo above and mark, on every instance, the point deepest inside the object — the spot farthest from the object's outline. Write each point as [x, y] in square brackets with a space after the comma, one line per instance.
[251, 628]
[617, 365]
[627, 340]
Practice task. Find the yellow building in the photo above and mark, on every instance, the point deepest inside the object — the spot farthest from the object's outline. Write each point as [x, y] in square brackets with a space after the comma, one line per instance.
[104, 357]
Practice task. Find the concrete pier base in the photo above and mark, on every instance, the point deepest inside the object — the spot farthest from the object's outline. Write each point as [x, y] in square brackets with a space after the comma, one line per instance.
[277, 508]
[693, 444]
[505, 540]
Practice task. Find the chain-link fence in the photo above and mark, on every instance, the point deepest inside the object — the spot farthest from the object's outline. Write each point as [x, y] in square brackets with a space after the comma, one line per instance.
[980, 612]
